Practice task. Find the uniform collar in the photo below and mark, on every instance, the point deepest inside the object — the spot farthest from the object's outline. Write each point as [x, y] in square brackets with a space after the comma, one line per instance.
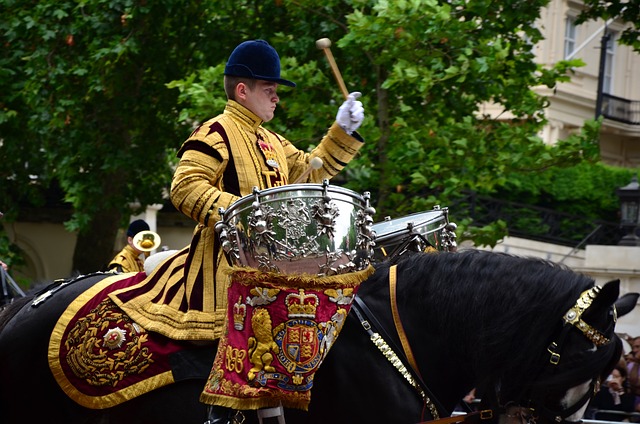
[244, 115]
[133, 251]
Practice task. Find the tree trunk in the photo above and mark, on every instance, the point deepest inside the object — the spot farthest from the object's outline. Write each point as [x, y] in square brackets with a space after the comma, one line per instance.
[94, 247]
[383, 125]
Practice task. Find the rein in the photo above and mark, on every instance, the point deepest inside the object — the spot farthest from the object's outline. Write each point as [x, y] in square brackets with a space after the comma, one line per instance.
[572, 319]
[398, 322]
[388, 348]
[369, 322]
[475, 416]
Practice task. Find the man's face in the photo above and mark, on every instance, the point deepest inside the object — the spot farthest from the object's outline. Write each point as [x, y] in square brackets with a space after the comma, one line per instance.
[262, 100]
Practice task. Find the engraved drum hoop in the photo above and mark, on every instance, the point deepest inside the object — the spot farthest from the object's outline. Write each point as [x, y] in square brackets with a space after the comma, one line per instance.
[416, 232]
[315, 229]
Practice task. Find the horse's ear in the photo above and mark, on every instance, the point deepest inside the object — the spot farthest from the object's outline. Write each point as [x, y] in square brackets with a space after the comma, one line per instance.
[609, 293]
[626, 303]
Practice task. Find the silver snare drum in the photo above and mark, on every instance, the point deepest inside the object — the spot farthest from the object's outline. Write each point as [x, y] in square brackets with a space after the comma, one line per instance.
[315, 229]
[416, 232]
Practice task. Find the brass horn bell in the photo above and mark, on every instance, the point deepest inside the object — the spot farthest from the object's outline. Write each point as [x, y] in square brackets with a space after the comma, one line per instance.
[146, 241]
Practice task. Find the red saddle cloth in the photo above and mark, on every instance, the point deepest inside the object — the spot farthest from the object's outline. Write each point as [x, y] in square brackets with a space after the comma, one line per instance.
[279, 328]
[100, 357]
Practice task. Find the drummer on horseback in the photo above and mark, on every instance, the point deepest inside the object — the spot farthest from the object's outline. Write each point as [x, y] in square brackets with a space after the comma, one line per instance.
[221, 161]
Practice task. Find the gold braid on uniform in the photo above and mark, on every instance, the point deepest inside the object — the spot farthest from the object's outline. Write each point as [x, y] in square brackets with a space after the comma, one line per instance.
[250, 148]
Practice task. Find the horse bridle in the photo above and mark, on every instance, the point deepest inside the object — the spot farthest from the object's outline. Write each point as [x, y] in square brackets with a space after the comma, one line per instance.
[406, 365]
[573, 319]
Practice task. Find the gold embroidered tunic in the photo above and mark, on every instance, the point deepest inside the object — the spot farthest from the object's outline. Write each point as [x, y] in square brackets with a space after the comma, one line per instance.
[127, 260]
[222, 160]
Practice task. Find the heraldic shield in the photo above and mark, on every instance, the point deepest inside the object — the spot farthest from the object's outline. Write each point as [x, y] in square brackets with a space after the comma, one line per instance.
[279, 329]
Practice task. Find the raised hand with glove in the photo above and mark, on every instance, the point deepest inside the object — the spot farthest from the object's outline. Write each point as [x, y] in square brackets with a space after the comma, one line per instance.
[351, 113]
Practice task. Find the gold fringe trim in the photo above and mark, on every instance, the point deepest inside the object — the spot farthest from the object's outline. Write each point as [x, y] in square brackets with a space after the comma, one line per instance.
[253, 403]
[55, 341]
[252, 276]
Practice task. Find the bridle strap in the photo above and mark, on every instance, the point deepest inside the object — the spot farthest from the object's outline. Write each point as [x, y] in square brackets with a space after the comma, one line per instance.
[398, 322]
[574, 316]
[560, 416]
[573, 319]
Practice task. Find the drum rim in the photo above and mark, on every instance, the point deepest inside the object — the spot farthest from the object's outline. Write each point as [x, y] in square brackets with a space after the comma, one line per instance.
[240, 205]
[443, 216]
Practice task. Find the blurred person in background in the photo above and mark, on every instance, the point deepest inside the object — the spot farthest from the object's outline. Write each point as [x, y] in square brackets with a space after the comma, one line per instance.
[614, 401]
[130, 258]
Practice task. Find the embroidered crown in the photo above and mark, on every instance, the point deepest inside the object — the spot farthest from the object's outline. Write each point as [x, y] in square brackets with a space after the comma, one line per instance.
[239, 314]
[301, 305]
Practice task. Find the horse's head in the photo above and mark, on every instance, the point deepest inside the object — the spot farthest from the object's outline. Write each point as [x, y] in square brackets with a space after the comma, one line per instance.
[578, 358]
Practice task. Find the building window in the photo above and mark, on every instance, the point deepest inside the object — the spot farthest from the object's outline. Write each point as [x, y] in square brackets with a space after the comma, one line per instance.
[570, 32]
[607, 83]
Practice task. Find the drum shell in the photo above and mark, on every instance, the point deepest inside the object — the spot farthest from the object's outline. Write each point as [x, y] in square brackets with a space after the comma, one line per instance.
[299, 229]
[393, 235]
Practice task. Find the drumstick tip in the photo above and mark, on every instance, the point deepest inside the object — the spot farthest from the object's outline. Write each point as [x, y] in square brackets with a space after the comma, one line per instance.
[316, 163]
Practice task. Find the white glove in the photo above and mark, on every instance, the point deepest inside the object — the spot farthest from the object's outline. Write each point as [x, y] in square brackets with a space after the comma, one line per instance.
[351, 113]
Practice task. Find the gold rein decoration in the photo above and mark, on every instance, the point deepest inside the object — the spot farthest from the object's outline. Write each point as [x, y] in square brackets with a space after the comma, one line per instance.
[391, 356]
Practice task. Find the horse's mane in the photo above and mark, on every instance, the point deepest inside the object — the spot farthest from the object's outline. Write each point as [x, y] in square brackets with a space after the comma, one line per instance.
[8, 312]
[11, 309]
[502, 308]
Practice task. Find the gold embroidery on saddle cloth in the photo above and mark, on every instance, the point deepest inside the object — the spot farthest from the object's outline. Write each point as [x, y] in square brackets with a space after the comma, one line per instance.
[92, 354]
[105, 340]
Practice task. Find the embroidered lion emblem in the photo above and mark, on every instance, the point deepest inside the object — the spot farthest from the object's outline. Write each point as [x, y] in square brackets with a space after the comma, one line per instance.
[262, 344]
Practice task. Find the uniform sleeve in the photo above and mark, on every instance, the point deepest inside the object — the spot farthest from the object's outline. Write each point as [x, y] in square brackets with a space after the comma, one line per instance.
[115, 266]
[336, 150]
[196, 188]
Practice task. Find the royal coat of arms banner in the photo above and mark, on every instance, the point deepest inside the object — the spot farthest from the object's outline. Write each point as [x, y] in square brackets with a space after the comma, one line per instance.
[279, 328]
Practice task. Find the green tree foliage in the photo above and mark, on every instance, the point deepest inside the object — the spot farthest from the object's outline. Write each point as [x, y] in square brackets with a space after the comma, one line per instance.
[85, 104]
[99, 94]
[627, 12]
[435, 82]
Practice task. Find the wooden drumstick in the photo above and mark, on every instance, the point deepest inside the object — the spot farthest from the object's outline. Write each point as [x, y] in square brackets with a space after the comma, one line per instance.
[315, 163]
[324, 44]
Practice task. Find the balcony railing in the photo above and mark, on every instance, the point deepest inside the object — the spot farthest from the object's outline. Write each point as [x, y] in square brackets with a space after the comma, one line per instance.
[620, 110]
[535, 223]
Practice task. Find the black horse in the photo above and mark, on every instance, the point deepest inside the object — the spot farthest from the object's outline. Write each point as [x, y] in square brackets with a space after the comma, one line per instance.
[533, 337]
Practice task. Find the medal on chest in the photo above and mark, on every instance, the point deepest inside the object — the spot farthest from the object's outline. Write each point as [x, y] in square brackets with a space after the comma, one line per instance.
[274, 176]
[268, 151]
